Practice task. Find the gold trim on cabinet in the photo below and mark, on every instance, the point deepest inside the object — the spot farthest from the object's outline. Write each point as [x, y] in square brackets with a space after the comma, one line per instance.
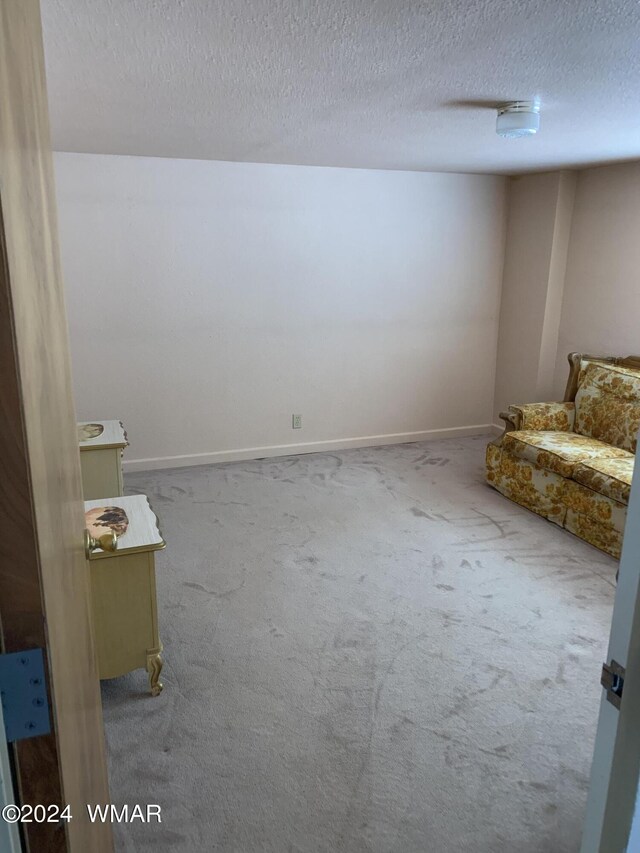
[140, 549]
[84, 448]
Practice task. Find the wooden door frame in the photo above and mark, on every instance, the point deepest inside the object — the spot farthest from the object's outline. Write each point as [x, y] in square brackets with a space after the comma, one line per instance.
[44, 581]
[21, 612]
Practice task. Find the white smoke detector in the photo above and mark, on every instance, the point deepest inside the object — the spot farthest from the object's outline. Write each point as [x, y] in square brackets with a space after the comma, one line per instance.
[518, 118]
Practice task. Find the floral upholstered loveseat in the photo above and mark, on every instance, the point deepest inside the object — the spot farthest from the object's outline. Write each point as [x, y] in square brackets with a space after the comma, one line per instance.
[572, 462]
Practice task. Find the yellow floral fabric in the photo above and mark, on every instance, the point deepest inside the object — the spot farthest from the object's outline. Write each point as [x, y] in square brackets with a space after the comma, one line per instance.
[599, 508]
[545, 416]
[610, 477]
[594, 517]
[608, 404]
[606, 365]
[601, 536]
[557, 451]
[526, 484]
[573, 464]
[494, 454]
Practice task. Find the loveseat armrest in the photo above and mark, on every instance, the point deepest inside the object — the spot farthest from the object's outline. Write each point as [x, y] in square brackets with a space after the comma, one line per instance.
[510, 421]
[559, 417]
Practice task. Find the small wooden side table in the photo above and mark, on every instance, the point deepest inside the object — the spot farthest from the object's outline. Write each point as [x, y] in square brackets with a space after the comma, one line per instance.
[101, 446]
[123, 586]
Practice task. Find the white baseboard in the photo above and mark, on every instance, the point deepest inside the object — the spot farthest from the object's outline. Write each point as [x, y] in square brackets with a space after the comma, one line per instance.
[497, 428]
[217, 456]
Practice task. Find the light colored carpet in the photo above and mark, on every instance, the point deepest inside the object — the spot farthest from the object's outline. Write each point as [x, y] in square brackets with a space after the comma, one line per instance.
[367, 651]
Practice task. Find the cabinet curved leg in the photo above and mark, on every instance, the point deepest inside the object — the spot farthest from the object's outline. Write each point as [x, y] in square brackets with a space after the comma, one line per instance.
[154, 668]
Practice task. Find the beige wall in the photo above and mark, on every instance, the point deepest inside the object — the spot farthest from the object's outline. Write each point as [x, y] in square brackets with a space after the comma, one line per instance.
[571, 277]
[209, 301]
[538, 228]
[601, 306]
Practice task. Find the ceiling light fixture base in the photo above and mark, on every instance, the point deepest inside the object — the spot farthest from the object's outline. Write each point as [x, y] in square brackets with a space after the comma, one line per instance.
[517, 119]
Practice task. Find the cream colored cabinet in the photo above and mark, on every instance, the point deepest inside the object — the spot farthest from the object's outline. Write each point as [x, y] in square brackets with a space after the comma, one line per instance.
[101, 446]
[123, 586]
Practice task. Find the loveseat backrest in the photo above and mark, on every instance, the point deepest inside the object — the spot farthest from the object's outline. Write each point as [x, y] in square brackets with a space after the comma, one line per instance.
[608, 403]
[578, 362]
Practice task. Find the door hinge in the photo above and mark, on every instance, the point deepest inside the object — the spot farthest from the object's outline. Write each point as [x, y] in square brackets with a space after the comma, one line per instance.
[612, 679]
[23, 692]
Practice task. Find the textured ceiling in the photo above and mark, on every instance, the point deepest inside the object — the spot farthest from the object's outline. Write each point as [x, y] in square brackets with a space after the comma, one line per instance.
[392, 84]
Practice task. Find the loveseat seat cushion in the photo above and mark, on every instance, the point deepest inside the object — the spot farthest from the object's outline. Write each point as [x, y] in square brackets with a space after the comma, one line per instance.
[608, 404]
[609, 476]
[559, 452]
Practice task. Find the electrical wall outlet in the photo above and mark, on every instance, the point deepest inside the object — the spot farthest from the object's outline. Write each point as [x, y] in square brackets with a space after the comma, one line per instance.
[296, 421]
